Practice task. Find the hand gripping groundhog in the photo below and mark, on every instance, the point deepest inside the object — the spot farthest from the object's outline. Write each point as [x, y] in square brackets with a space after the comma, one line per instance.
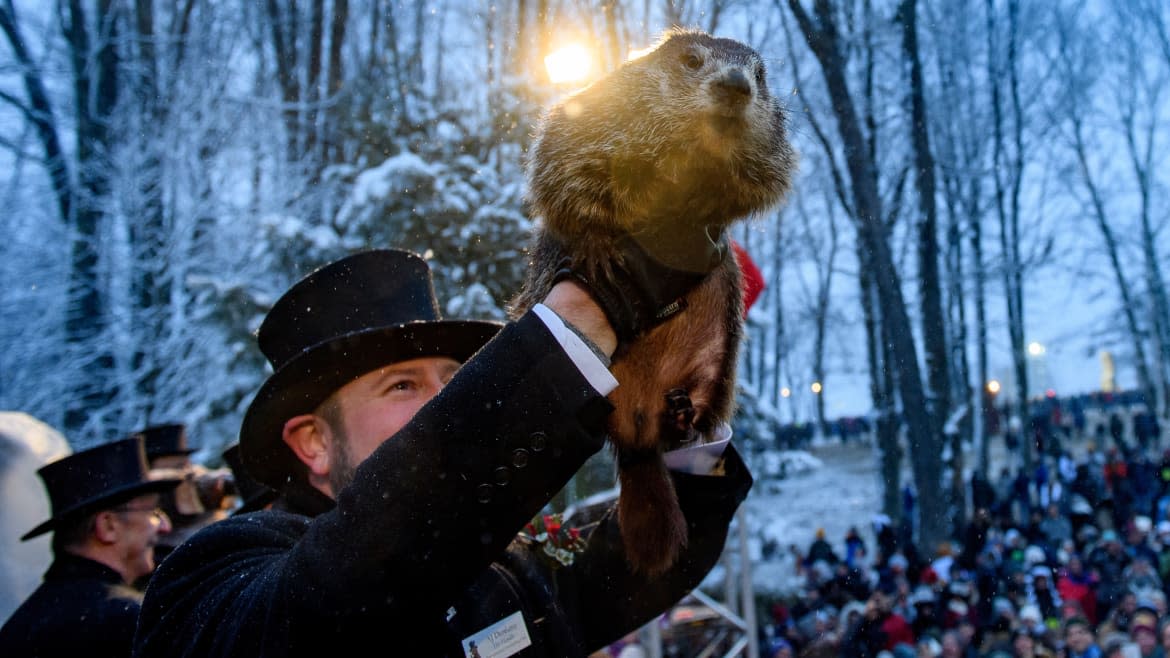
[684, 140]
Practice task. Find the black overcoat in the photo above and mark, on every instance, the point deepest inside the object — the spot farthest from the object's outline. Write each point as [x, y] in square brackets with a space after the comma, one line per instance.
[81, 608]
[420, 551]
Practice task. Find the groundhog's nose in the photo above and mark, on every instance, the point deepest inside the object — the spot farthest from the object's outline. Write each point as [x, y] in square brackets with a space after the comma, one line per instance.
[735, 86]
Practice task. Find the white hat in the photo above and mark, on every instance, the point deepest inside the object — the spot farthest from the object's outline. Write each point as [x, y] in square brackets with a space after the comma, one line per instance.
[1034, 555]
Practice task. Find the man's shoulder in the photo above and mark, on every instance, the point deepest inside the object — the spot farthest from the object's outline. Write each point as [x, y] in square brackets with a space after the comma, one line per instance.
[257, 533]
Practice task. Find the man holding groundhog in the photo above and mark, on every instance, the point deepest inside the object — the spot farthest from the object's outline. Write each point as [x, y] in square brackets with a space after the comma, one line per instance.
[409, 452]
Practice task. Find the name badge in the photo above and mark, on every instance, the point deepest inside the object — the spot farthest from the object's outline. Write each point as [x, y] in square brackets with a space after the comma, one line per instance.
[500, 640]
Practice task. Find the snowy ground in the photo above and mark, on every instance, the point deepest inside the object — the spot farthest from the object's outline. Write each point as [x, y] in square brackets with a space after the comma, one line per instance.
[830, 486]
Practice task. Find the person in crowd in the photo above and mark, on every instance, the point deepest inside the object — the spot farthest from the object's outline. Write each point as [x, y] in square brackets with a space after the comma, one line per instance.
[1055, 528]
[820, 550]
[880, 629]
[1143, 631]
[1119, 616]
[779, 648]
[856, 553]
[1117, 429]
[1079, 639]
[105, 522]
[983, 496]
[1075, 584]
[410, 450]
[1025, 644]
[1041, 592]
[1108, 560]
[202, 495]
[1164, 635]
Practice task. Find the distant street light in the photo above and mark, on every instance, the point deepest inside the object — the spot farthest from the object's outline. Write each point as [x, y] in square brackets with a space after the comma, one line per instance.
[816, 387]
[1035, 349]
[785, 392]
[993, 387]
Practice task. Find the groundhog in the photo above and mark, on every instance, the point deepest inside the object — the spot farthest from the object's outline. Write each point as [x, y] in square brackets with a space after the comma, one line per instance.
[687, 135]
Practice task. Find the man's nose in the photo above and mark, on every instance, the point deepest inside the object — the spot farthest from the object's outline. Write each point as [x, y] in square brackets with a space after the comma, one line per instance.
[164, 522]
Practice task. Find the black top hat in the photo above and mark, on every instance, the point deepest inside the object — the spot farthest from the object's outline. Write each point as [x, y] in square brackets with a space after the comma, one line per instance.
[164, 440]
[254, 495]
[340, 322]
[98, 478]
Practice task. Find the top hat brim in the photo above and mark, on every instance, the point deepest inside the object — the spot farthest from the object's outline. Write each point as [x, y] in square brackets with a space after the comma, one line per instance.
[107, 499]
[306, 380]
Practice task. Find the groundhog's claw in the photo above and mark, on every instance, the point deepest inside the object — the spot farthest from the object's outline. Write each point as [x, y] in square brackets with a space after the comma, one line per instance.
[679, 406]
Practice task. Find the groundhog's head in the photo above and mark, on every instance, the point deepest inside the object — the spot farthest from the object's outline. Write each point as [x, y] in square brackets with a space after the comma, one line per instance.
[687, 132]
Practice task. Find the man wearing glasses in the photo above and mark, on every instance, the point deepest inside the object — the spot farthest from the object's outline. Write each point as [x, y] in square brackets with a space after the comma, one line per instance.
[105, 522]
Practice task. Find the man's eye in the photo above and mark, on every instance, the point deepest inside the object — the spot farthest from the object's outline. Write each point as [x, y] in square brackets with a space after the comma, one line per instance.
[400, 385]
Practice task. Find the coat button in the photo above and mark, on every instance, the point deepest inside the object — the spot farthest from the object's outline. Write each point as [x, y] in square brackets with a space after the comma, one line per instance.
[484, 493]
[519, 457]
[503, 475]
[539, 441]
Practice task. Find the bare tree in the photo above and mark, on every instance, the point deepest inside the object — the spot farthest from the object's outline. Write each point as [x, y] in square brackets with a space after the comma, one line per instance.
[1082, 72]
[962, 140]
[824, 39]
[934, 328]
[1009, 162]
[1142, 126]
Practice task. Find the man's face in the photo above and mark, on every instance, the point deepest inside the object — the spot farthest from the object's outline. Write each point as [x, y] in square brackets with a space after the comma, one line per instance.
[140, 522]
[1078, 638]
[373, 407]
[1146, 640]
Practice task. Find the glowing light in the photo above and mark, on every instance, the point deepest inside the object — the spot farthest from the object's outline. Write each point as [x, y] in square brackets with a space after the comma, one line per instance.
[816, 387]
[785, 392]
[571, 63]
[1035, 349]
[993, 387]
[1049, 393]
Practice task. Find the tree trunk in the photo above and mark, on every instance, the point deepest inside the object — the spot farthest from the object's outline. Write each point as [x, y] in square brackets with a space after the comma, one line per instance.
[40, 115]
[95, 86]
[151, 283]
[925, 444]
[283, 32]
[934, 330]
[1007, 210]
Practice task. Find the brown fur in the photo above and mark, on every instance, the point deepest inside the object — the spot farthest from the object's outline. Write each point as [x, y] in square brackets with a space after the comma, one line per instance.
[664, 138]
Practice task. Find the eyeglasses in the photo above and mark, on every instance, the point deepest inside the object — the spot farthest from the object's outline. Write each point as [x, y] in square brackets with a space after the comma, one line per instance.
[155, 511]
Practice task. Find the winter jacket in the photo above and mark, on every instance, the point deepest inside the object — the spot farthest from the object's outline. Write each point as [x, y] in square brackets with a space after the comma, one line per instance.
[418, 556]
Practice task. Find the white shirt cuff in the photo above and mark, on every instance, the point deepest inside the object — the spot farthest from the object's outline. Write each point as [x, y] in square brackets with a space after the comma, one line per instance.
[700, 459]
[578, 352]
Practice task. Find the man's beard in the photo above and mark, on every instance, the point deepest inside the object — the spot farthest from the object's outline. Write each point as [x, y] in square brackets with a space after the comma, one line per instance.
[341, 467]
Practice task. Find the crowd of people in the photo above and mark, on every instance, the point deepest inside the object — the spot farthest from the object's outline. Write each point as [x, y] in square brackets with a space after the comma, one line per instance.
[1070, 557]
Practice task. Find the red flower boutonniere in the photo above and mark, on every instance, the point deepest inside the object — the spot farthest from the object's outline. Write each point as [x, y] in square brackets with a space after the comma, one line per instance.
[558, 543]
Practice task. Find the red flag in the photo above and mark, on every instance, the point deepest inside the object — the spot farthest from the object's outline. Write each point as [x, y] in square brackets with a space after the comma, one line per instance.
[753, 280]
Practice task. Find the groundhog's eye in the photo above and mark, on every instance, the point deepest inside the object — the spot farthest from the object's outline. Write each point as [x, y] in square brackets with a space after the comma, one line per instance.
[692, 61]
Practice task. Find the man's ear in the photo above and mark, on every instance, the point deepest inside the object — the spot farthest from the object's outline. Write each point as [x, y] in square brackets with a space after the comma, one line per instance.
[308, 437]
[105, 526]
